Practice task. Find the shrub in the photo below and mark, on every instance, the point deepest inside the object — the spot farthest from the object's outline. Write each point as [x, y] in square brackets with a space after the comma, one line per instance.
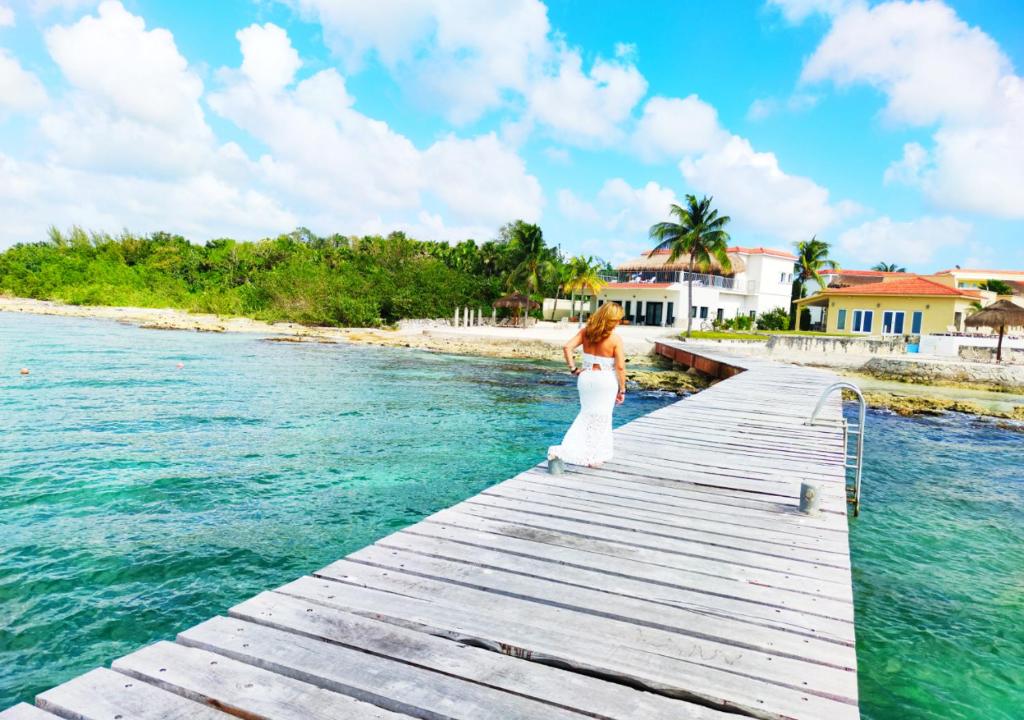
[777, 319]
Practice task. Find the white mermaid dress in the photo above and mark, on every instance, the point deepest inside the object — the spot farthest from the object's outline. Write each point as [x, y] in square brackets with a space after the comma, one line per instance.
[589, 438]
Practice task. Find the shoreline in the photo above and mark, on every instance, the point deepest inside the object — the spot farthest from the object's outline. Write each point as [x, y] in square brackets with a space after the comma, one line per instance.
[543, 343]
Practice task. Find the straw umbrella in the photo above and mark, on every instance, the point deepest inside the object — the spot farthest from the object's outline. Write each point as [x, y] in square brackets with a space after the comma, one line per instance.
[1000, 314]
[517, 300]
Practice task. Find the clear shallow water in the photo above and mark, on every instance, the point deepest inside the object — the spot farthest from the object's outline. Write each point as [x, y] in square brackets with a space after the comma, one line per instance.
[137, 499]
[938, 570]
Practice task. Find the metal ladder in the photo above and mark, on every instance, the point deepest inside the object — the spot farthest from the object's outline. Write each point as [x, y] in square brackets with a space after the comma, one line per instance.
[855, 461]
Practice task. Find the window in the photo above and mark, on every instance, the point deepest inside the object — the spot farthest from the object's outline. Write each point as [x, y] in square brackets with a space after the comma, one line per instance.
[841, 320]
[862, 321]
[720, 314]
[600, 303]
[628, 308]
[704, 313]
[892, 322]
[782, 278]
[915, 322]
[671, 317]
[753, 314]
[693, 311]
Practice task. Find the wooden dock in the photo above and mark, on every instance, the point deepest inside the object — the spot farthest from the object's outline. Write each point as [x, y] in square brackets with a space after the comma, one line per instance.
[677, 581]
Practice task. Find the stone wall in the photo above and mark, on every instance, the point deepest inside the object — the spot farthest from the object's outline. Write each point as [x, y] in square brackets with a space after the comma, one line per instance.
[833, 350]
[1009, 378]
[971, 353]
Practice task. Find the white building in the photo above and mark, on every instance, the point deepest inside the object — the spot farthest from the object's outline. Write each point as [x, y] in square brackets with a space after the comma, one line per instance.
[653, 292]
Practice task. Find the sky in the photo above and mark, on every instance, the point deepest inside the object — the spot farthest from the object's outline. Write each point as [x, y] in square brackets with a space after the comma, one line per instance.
[892, 130]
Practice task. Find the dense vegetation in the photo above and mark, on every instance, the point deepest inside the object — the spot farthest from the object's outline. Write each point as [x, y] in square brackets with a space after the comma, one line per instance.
[298, 277]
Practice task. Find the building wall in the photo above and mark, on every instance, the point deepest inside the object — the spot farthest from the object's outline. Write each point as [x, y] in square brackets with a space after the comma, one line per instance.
[770, 282]
[938, 312]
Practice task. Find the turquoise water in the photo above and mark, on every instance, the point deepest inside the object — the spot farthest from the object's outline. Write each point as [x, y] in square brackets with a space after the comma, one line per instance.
[137, 499]
[938, 570]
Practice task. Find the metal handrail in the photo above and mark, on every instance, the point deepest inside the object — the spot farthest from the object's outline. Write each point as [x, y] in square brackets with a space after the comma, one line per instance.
[858, 455]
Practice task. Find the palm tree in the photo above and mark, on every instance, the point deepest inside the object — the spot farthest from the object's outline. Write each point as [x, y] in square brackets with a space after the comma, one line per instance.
[536, 267]
[997, 286]
[698, 234]
[888, 267]
[563, 273]
[812, 258]
[584, 277]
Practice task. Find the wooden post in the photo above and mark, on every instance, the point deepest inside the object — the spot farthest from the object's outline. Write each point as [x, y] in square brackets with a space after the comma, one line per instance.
[999, 346]
[556, 466]
[810, 499]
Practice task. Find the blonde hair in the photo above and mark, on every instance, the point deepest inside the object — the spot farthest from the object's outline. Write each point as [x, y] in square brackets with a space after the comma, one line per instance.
[601, 323]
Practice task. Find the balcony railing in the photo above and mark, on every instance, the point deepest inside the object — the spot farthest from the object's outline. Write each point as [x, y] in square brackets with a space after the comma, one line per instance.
[672, 276]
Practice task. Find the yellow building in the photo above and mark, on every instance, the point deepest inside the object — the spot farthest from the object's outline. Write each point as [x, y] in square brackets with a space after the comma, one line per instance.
[902, 305]
[970, 279]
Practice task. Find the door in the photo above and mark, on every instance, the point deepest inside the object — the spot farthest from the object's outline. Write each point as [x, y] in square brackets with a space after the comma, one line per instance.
[892, 322]
[915, 322]
[653, 316]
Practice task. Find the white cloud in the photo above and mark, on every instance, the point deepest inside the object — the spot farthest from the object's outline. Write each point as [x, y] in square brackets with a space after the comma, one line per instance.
[557, 155]
[128, 145]
[481, 180]
[751, 188]
[796, 11]
[619, 208]
[268, 58]
[460, 56]
[762, 108]
[674, 127]
[907, 169]
[586, 108]
[135, 102]
[575, 208]
[935, 69]
[20, 90]
[915, 241]
[6, 16]
[347, 168]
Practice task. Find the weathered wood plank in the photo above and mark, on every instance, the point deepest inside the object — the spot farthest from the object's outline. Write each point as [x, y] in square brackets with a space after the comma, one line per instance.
[102, 694]
[24, 711]
[241, 689]
[555, 686]
[383, 682]
[599, 655]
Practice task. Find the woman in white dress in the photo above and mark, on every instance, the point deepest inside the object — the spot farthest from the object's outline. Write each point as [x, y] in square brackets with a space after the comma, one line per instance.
[602, 386]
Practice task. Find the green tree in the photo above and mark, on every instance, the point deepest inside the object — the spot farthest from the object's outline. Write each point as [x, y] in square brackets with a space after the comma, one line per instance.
[697, 233]
[812, 258]
[584, 277]
[997, 286]
[536, 267]
[888, 267]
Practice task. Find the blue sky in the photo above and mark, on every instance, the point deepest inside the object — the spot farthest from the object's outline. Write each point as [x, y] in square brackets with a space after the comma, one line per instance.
[893, 130]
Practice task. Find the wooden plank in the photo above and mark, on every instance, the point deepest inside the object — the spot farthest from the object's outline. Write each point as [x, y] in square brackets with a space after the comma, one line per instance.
[102, 694]
[576, 613]
[600, 655]
[551, 685]
[648, 567]
[24, 711]
[621, 544]
[383, 682]
[591, 573]
[240, 689]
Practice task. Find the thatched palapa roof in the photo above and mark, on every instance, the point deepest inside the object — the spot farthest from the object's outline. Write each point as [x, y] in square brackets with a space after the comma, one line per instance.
[1002, 313]
[516, 300]
[658, 260]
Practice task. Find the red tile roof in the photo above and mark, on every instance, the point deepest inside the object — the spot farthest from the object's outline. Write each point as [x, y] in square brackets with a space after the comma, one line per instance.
[911, 285]
[763, 251]
[865, 273]
[636, 285]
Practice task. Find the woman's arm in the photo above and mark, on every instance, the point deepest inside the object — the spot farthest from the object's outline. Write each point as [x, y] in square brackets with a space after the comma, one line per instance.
[568, 349]
[620, 370]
